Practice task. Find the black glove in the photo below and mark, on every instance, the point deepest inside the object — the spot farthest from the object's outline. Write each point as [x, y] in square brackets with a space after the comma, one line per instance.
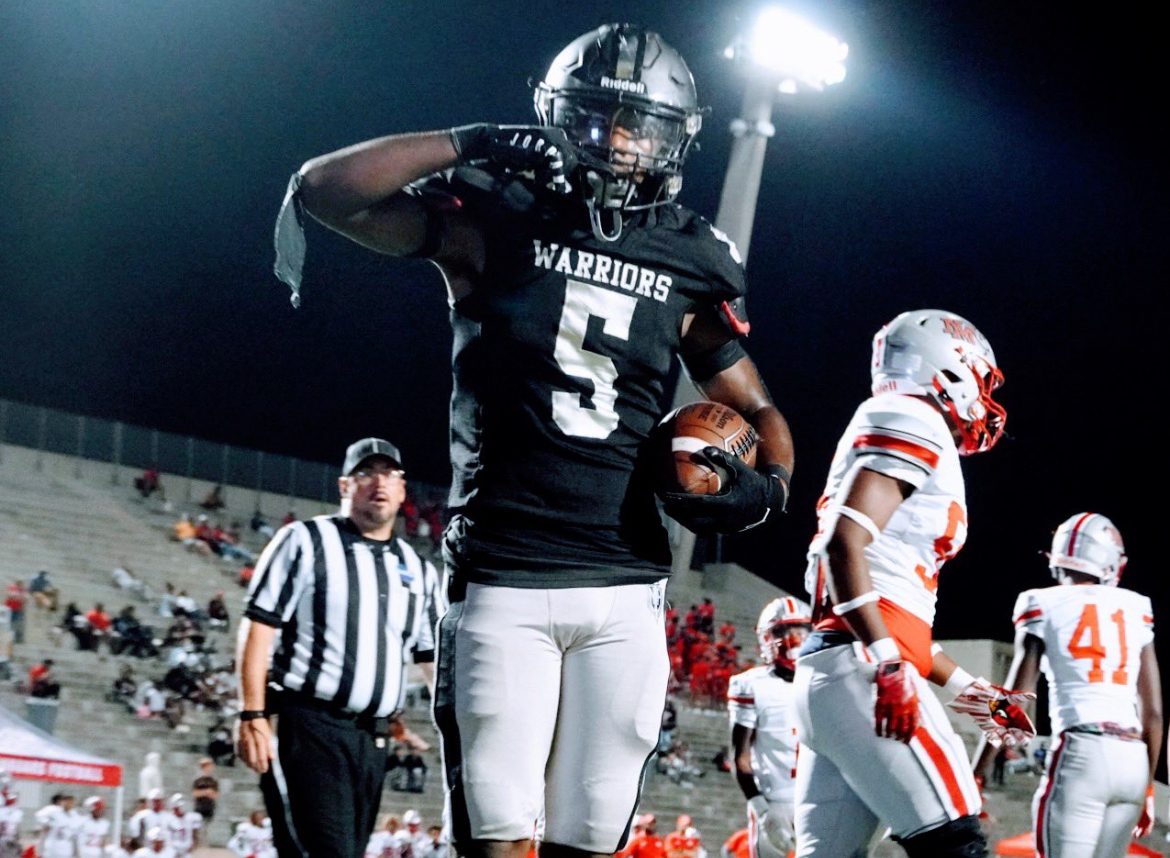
[746, 498]
[543, 150]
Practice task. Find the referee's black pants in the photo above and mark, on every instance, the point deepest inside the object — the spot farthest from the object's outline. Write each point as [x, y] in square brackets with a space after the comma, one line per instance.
[323, 789]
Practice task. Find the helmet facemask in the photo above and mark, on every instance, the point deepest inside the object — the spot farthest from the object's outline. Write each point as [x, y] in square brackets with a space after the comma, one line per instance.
[781, 630]
[943, 357]
[627, 101]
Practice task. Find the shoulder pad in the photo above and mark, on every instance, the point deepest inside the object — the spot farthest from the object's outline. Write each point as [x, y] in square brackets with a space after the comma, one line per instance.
[901, 428]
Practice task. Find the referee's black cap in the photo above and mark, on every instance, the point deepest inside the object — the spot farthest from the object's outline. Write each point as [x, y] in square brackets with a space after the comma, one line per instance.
[361, 450]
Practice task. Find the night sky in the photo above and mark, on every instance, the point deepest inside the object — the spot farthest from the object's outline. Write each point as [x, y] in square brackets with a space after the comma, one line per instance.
[996, 159]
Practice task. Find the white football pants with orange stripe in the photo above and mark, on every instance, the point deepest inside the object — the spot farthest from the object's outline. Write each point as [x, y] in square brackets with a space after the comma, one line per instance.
[847, 778]
[780, 820]
[1090, 798]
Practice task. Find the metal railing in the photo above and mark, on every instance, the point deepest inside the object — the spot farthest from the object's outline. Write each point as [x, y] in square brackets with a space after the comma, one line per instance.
[126, 446]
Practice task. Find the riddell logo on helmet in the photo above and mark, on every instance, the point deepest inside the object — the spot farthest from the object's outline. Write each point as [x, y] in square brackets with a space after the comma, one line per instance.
[623, 85]
[959, 329]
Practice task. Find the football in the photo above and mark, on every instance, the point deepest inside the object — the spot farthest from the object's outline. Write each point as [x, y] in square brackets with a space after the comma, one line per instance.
[691, 428]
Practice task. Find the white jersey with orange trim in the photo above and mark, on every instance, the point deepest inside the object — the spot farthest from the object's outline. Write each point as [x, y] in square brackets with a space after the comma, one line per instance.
[10, 819]
[180, 829]
[92, 835]
[1093, 637]
[58, 828]
[762, 701]
[907, 439]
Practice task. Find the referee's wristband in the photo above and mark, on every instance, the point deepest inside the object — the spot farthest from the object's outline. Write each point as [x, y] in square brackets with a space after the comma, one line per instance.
[251, 714]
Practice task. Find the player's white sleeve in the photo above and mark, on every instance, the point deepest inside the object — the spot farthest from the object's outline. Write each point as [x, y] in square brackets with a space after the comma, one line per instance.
[741, 701]
[899, 442]
[1147, 623]
[1028, 613]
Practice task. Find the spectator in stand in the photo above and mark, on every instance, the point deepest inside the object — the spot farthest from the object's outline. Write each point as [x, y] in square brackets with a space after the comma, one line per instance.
[125, 688]
[213, 500]
[410, 516]
[184, 532]
[75, 623]
[124, 579]
[131, 637]
[692, 619]
[149, 483]
[166, 602]
[707, 617]
[151, 702]
[150, 784]
[727, 632]
[245, 576]
[42, 682]
[99, 624]
[205, 790]
[261, 525]
[669, 725]
[43, 592]
[16, 599]
[220, 746]
[184, 606]
[217, 612]
[289, 518]
[226, 544]
[671, 620]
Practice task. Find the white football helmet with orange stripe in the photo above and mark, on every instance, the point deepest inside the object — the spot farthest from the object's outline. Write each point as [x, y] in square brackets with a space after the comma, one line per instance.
[781, 629]
[942, 356]
[1088, 543]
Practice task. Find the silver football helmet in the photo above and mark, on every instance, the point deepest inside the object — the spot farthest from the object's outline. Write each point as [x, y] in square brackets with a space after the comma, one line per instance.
[1089, 543]
[781, 629]
[942, 356]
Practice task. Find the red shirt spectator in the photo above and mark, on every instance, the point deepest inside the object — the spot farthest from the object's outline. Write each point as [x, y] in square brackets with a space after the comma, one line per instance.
[16, 596]
[246, 575]
[290, 518]
[707, 616]
[99, 619]
[727, 631]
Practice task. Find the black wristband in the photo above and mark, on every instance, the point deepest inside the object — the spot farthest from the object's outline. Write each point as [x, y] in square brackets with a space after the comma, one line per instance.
[471, 141]
[252, 714]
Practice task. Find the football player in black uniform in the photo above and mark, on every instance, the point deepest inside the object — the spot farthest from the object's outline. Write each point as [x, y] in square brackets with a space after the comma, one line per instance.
[574, 280]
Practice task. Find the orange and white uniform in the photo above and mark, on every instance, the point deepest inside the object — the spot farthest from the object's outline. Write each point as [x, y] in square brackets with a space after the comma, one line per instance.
[92, 836]
[1092, 792]
[761, 701]
[848, 778]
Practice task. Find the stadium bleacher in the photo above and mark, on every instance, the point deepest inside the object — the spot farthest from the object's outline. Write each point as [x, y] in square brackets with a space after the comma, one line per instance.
[78, 519]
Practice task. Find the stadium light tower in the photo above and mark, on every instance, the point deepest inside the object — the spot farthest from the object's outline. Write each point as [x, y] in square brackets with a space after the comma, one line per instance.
[783, 54]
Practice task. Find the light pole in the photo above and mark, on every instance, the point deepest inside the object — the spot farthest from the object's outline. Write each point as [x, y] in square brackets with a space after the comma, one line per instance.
[782, 54]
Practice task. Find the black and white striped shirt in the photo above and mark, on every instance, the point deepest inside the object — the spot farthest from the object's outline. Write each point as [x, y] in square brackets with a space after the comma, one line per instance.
[350, 612]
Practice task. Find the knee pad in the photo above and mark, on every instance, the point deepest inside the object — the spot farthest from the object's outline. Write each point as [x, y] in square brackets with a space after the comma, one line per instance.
[959, 838]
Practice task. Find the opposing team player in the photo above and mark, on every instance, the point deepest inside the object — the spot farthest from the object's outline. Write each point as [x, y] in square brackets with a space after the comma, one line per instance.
[154, 815]
[253, 837]
[11, 817]
[182, 826]
[93, 831]
[893, 511]
[1095, 642]
[574, 280]
[155, 845]
[763, 728]
[57, 827]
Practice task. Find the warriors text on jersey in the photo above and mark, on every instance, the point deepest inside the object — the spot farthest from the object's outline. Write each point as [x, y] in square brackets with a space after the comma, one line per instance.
[907, 439]
[562, 358]
[1093, 637]
[760, 700]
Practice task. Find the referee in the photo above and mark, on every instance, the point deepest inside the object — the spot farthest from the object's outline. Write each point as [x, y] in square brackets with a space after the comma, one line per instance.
[336, 606]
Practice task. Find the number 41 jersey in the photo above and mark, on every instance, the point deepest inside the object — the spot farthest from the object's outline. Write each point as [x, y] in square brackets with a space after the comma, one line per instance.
[562, 356]
[1093, 637]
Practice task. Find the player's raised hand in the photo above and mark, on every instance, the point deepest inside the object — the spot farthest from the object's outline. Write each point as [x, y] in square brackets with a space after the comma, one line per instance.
[544, 151]
[895, 710]
[998, 712]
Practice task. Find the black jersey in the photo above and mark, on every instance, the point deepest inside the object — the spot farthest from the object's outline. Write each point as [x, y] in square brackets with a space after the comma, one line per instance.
[562, 356]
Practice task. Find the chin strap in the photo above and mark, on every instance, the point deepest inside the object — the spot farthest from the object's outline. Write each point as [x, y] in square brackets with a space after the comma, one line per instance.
[598, 228]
